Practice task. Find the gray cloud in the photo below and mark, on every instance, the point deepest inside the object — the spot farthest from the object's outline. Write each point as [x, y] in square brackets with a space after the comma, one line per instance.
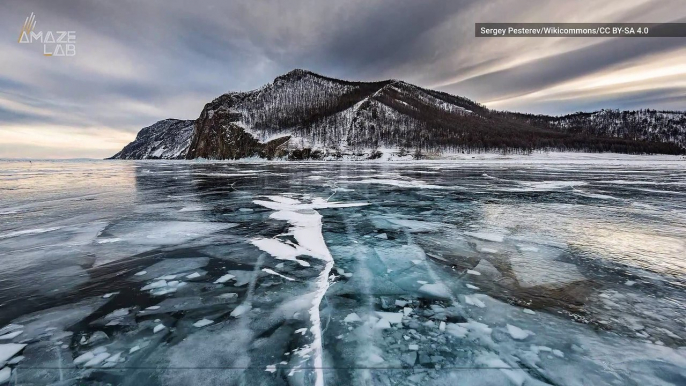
[539, 74]
[138, 62]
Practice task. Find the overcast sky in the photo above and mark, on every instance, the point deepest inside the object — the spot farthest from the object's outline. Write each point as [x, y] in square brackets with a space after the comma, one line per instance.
[141, 61]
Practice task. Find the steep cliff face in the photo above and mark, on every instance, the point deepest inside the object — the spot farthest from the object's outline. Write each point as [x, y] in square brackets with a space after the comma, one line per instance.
[303, 114]
[166, 139]
[218, 135]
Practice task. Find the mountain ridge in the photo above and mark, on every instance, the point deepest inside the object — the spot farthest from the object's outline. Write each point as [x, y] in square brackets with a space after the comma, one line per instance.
[302, 114]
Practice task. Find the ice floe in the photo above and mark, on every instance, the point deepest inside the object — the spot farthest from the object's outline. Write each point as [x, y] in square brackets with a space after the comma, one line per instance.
[8, 350]
[202, 323]
[518, 333]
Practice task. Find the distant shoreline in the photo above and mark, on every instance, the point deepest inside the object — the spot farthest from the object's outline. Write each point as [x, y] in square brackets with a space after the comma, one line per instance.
[536, 157]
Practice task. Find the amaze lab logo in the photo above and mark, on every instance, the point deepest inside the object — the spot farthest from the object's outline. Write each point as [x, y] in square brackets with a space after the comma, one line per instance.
[55, 43]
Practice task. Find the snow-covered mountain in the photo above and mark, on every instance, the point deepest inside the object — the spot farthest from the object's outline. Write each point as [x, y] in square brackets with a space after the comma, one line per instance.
[166, 139]
[305, 115]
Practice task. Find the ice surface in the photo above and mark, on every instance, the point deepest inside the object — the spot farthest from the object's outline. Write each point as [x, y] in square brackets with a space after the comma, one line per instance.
[27, 232]
[10, 328]
[224, 278]
[272, 272]
[437, 290]
[517, 333]
[202, 323]
[168, 269]
[487, 236]
[240, 310]
[291, 279]
[280, 249]
[391, 317]
[11, 335]
[164, 232]
[193, 275]
[97, 359]
[8, 350]
[473, 300]
[5, 374]
[541, 268]
[158, 328]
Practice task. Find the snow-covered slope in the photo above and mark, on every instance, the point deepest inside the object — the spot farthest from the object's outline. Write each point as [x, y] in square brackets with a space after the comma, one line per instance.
[166, 139]
[328, 115]
[305, 115]
[651, 125]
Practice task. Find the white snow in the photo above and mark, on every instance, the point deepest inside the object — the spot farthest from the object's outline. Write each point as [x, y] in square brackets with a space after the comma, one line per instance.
[83, 358]
[473, 272]
[117, 313]
[240, 310]
[114, 358]
[97, 359]
[224, 278]
[158, 328]
[202, 323]
[456, 330]
[109, 240]
[474, 301]
[155, 285]
[487, 236]
[352, 317]
[280, 250]
[382, 324]
[306, 228]
[28, 232]
[517, 333]
[272, 272]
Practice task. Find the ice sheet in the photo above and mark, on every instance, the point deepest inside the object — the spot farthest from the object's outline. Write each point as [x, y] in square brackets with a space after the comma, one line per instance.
[330, 285]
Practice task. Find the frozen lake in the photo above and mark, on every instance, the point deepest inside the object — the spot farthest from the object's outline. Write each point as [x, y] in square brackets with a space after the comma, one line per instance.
[473, 272]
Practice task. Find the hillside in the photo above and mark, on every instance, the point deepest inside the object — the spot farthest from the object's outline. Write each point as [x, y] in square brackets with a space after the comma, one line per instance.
[305, 115]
